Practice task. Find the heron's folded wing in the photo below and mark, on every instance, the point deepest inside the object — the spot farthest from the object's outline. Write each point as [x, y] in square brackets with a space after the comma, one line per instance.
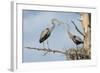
[79, 39]
[43, 33]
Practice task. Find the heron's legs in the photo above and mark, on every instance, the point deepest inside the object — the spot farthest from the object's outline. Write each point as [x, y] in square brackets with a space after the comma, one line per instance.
[48, 48]
[44, 48]
[43, 45]
[48, 44]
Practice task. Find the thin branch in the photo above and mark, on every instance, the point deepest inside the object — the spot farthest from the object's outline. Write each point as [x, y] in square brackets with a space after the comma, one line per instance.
[73, 54]
[47, 50]
[77, 28]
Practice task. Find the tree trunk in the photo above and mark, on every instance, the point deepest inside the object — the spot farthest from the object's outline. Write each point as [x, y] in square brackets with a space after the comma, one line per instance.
[86, 23]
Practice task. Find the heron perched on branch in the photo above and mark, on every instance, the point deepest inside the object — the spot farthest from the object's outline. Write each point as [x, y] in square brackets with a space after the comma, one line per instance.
[45, 34]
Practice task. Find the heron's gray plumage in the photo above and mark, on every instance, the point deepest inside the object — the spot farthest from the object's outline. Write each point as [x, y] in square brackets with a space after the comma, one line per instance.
[47, 32]
[77, 40]
[44, 35]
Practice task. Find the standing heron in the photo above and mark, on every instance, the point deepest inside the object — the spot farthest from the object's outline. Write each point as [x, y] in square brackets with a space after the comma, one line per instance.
[45, 34]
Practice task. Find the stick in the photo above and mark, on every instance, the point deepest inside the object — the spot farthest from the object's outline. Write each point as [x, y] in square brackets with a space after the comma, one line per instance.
[77, 28]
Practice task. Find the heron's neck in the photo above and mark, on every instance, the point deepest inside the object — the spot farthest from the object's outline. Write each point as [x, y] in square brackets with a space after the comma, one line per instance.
[52, 28]
[66, 27]
[70, 34]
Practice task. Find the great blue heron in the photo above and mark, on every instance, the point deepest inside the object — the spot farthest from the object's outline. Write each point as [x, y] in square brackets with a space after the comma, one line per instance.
[45, 34]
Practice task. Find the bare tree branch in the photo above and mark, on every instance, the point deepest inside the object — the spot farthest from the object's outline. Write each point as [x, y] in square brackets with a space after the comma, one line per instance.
[77, 28]
[73, 54]
[47, 50]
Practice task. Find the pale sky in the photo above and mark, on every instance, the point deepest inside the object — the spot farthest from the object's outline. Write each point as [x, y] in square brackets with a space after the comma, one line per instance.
[34, 22]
